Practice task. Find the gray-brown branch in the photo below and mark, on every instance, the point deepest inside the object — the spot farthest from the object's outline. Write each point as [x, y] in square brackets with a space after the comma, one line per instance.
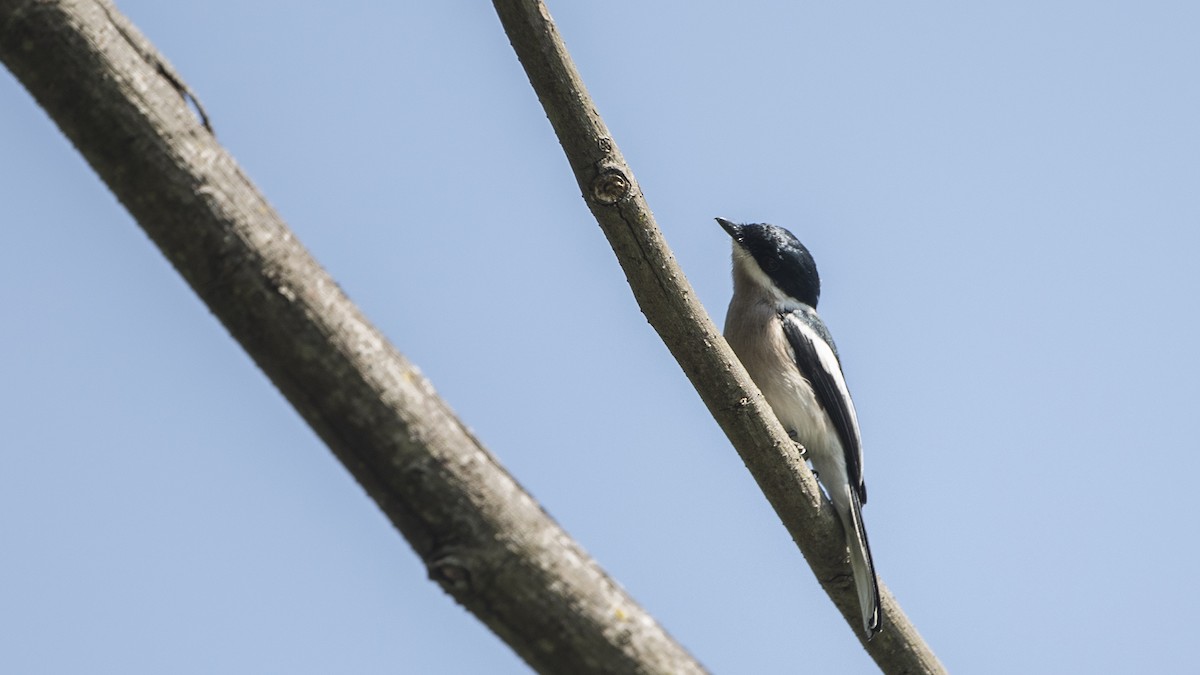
[482, 537]
[669, 304]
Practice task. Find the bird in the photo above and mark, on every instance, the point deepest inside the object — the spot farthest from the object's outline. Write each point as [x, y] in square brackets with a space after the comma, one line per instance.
[773, 327]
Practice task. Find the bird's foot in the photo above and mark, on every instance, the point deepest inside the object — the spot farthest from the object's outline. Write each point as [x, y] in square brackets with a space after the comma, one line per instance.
[799, 446]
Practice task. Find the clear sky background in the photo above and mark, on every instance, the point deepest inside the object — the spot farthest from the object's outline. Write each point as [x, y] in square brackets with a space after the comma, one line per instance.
[1001, 199]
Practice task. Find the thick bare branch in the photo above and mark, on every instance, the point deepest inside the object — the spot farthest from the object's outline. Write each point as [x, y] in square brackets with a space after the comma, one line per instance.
[667, 300]
[483, 539]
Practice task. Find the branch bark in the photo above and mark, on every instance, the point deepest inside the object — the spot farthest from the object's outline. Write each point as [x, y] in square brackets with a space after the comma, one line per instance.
[482, 537]
[669, 304]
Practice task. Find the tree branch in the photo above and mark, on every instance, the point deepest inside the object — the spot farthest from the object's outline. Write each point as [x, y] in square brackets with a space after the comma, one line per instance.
[669, 304]
[482, 538]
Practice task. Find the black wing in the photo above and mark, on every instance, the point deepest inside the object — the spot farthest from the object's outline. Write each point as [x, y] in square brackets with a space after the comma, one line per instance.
[817, 359]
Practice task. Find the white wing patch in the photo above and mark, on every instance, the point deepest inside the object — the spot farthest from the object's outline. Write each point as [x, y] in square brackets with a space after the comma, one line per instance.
[827, 361]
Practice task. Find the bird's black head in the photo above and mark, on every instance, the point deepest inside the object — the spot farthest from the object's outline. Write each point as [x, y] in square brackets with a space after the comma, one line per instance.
[781, 256]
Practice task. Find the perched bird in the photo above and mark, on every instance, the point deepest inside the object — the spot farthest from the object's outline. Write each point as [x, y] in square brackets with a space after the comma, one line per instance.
[774, 328]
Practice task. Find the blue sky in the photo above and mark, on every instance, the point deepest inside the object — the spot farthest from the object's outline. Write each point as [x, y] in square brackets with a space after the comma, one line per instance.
[1002, 201]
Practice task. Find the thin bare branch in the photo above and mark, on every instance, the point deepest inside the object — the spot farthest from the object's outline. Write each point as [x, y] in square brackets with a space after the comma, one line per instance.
[670, 305]
[482, 538]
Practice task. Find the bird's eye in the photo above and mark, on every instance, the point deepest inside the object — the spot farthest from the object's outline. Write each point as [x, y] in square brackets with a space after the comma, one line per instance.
[771, 265]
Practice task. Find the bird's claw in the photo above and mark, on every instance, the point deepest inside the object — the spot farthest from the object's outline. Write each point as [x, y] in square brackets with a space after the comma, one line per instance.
[799, 446]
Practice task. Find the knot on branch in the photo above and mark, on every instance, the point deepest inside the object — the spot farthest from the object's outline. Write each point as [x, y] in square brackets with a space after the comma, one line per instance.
[451, 572]
[610, 187]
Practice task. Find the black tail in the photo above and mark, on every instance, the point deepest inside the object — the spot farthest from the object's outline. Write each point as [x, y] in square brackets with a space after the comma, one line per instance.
[865, 580]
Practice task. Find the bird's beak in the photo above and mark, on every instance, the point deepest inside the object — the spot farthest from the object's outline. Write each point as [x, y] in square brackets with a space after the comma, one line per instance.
[733, 229]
